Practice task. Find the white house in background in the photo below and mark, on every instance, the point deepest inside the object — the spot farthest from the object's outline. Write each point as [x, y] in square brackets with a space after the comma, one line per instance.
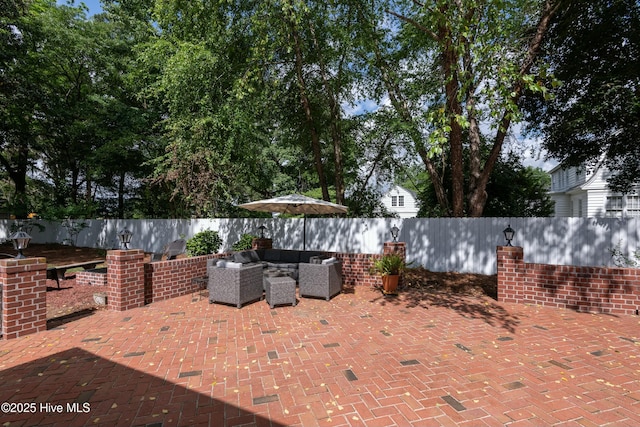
[581, 193]
[401, 201]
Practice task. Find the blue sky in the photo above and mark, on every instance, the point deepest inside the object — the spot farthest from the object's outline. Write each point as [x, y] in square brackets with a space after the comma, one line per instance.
[93, 5]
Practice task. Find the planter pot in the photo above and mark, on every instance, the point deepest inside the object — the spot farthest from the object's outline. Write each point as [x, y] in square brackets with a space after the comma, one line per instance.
[390, 283]
[100, 298]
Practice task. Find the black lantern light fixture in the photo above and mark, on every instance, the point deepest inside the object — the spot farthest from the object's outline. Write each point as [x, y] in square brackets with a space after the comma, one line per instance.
[508, 234]
[20, 241]
[262, 228]
[125, 238]
[394, 233]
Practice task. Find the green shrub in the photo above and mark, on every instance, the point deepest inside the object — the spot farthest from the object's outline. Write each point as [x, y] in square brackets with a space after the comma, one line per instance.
[244, 243]
[620, 259]
[389, 264]
[204, 243]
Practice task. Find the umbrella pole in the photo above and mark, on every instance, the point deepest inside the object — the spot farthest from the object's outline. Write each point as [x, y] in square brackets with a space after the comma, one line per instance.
[304, 233]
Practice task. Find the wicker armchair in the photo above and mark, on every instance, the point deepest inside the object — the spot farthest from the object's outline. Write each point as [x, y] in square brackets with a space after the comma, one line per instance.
[235, 285]
[320, 280]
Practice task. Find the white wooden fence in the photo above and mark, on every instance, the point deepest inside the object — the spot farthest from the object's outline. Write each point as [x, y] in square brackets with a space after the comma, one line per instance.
[439, 244]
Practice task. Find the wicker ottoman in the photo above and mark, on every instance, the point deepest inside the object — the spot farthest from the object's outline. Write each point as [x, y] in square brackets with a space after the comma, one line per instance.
[280, 290]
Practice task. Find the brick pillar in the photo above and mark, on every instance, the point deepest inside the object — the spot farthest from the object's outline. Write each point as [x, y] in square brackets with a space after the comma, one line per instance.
[24, 296]
[395, 247]
[125, 279]
[261, 243]
[510, 273]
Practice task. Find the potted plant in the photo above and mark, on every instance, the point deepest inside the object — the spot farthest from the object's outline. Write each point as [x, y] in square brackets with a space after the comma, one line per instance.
[390, 266]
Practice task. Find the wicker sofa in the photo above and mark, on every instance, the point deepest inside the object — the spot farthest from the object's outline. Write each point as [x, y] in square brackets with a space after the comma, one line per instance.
[279, 259]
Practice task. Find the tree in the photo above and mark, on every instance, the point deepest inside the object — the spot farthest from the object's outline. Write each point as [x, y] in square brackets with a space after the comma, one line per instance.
[18, 96]
[594, 115]
[254, 93]
[304, 50]
[68, 119]
[513, 191]
[459, 71]
[214, 138]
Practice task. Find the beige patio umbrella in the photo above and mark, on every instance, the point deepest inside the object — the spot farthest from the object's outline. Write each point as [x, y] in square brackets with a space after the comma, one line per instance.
[296, 204]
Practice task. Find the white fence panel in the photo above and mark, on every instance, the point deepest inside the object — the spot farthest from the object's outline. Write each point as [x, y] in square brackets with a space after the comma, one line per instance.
[438, 244]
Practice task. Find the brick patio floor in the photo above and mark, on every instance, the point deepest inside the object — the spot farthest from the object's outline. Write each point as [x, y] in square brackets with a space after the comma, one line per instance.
[357, 360]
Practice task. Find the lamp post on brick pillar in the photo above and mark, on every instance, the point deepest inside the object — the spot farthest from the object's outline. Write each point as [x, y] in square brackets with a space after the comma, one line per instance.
[24, 296]
[395, 247]
[125, 279]
[261, 242]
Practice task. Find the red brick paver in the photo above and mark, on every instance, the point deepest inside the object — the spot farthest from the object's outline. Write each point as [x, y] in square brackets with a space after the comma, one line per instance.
[357, 360]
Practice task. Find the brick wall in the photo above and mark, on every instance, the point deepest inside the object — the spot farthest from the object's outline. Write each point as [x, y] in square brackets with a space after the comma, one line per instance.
[173, 278]
[355, 269]
[169, 279]
[94, 277]
[586, 289]
[24, 296]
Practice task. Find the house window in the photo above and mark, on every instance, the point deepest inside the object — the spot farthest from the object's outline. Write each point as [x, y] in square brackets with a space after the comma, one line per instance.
[580, 208]
[613, 206]
[623, 206]
[394, 200]
[400, 200]
[633, 205]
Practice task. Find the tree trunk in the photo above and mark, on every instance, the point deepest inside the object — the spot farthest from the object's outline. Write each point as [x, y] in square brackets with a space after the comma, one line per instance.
[334, 123]
[88, 195]
[306, 105]
[479, 176]
[18, 174]
[121, 189]
[400, 105]
[478, 197]
[453, 109]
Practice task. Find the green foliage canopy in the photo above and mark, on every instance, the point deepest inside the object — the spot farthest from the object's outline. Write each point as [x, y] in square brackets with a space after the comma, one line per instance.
[594, 114]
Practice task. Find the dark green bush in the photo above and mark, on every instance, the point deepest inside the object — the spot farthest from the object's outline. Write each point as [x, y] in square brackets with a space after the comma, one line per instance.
[204, 243]
[244, 243]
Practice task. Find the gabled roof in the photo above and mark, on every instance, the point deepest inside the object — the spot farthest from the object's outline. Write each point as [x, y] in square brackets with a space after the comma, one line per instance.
[413, 193]
[582, 186]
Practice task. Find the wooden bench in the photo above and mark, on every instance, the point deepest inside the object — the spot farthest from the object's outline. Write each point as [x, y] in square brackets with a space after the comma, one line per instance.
[171, 250]
[57, 272]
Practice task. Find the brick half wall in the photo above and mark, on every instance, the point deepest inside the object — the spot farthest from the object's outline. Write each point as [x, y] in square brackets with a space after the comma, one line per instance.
[355, 269]
[94, 277]
[584, 289]
[174, 278]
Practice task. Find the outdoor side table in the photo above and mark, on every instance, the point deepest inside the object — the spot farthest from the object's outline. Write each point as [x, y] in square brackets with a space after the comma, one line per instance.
[280, 290]
[272, 272]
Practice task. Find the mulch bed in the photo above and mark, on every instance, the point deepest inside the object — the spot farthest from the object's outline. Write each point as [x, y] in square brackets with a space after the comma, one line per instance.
[468, 284]
[71, 300]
